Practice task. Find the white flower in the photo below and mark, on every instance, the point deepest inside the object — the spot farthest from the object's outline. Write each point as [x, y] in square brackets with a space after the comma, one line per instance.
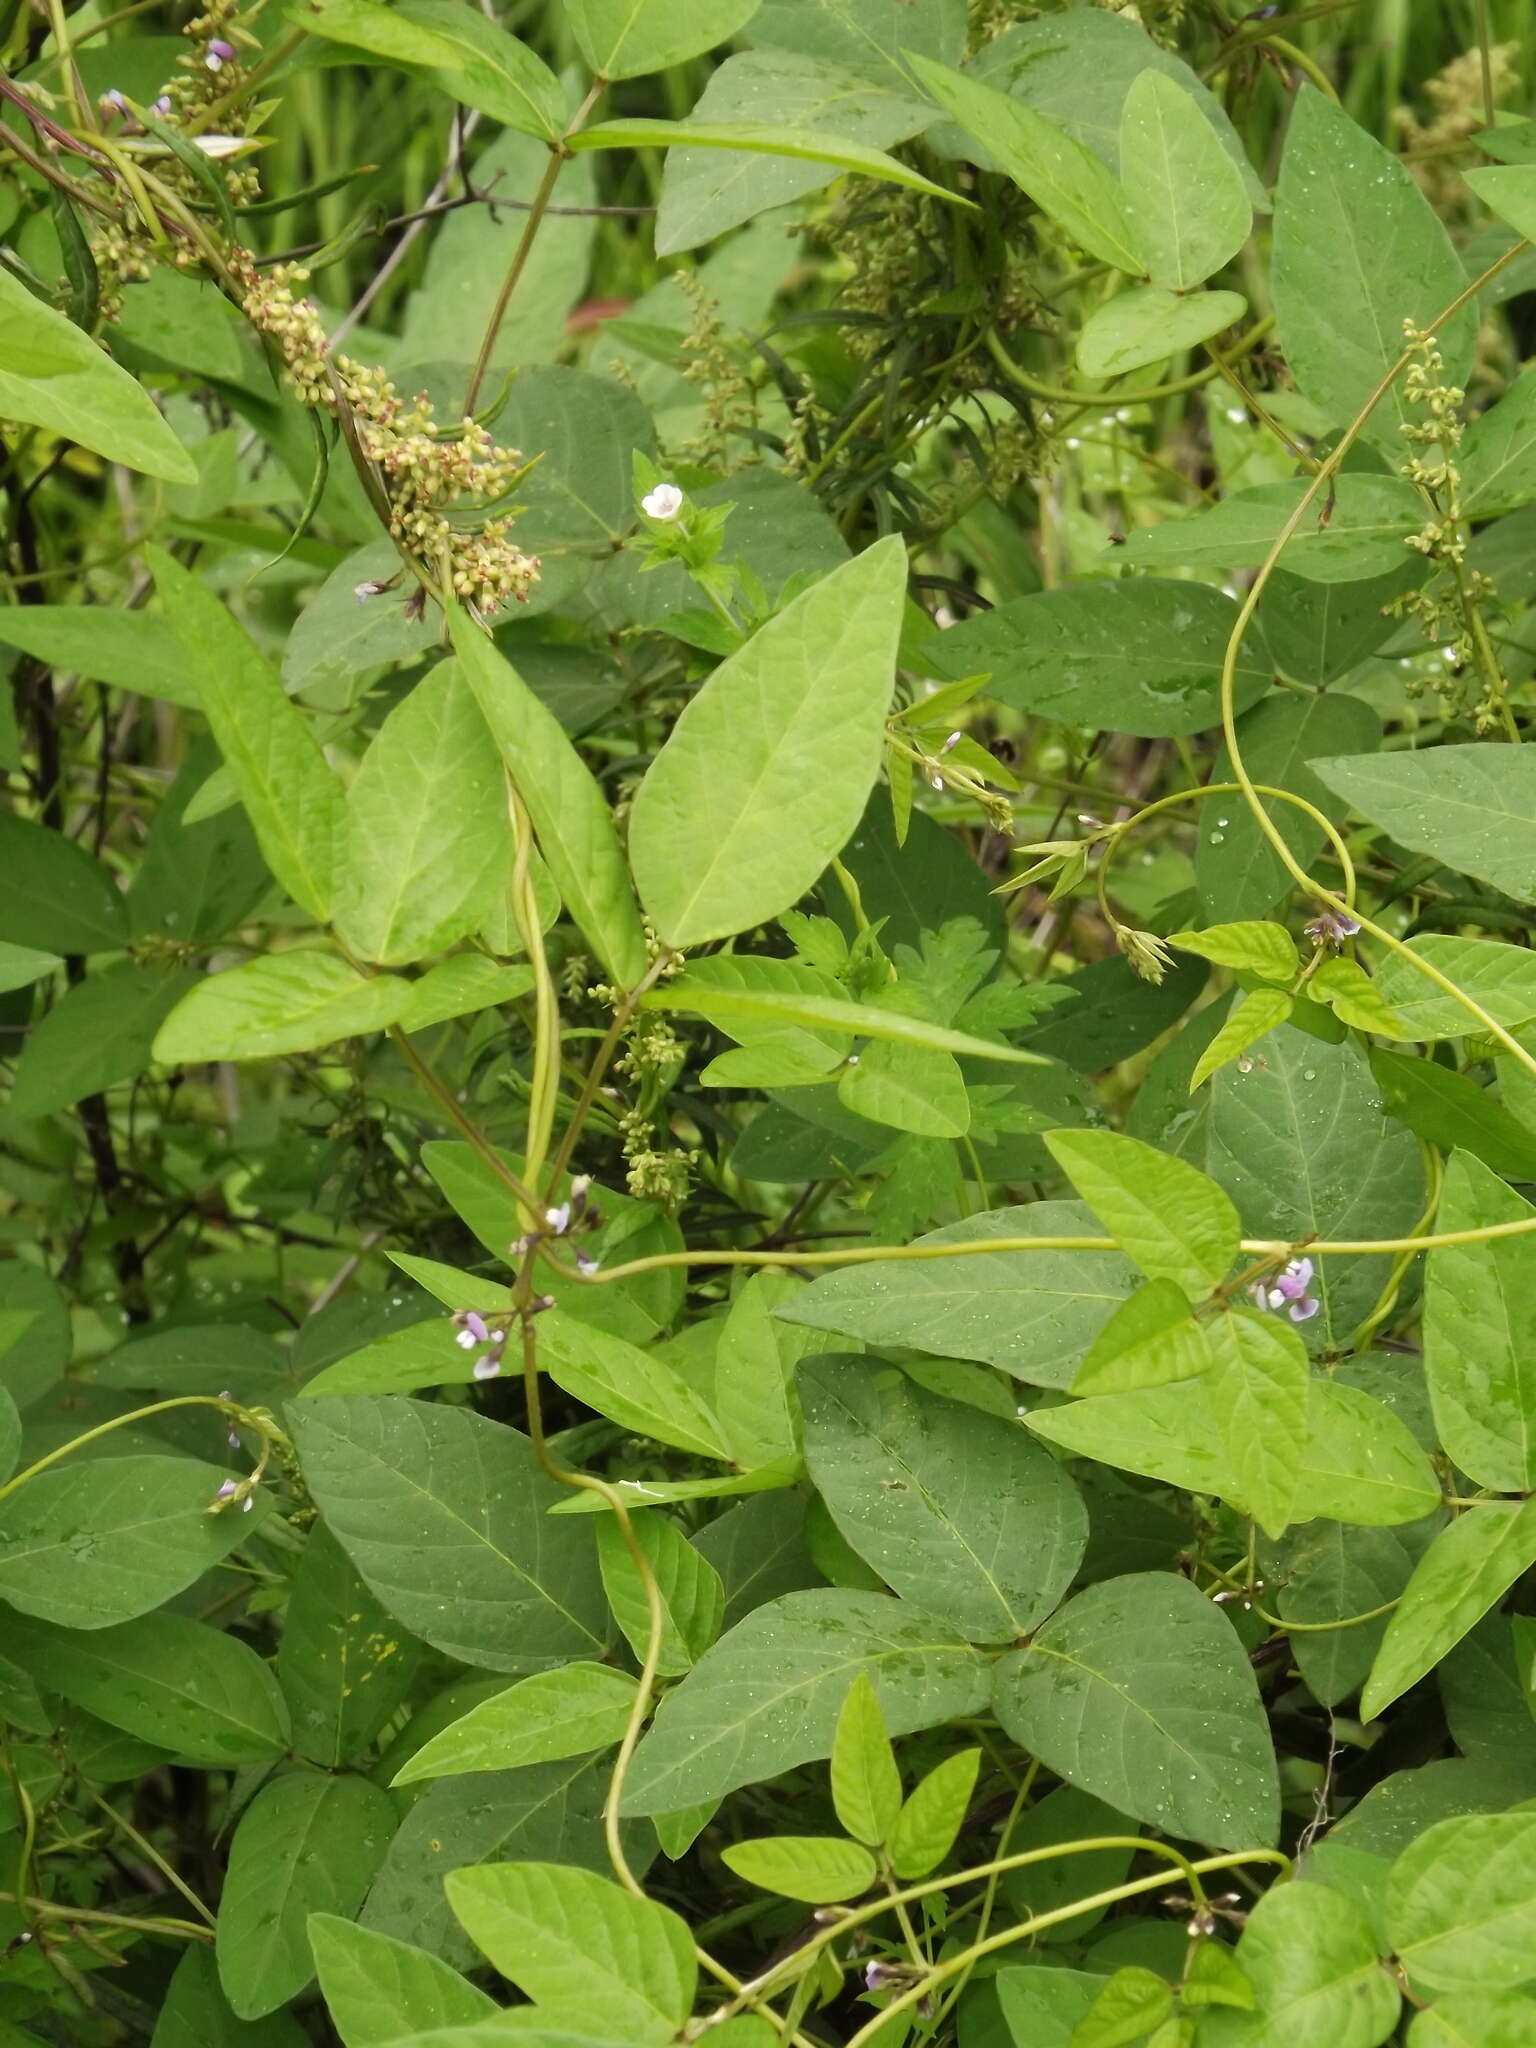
[665, 502]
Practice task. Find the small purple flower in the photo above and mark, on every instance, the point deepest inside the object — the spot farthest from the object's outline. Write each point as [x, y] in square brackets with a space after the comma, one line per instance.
[558, 1220]
[488, 1365]
[1288, 1290]
[585, 1263]
[248, 1503]
[115, 99]
[163, 105]
[226, 1491]
[233, 1439]
[472, 1330]
[1332, 928]
[219, 53]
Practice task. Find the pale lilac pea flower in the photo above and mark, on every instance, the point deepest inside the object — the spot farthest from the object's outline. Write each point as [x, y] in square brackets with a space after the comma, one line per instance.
[163, 104]
[558, 1220]
[219, 54]
[488, 1365]
[472, 1330]
[1332, 927]
[665, 502]
[226, 1490]
[1288, 1290]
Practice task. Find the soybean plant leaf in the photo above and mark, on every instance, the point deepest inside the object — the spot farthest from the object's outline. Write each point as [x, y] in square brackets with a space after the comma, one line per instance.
[1256, 947]
[958, 1511]
[1131, 2004]
[281, 1003]
[1362, 1462]
[634, 1388]
[93, 1544]
[1473, 807]
[294, 802]
[816, 1868]
[767, 1696]
[1251, 1017]
[1139, 1692]
[1358, 250]
[692, 1597]
[1508, 190]
[1501, 977]
[1310, 1955]
[22, 966]
[1461, 1903]
[1168, 1216]
[752, 138]
[1359, 530]
[462, 986]
[388, 32]
[1258, 1386]
[1237, 871]
[345, 1667]
[1148, 325]
[551, 1714]
[1478, 1356]
[1324, 1575]
[1468, 1567]
[54, 376]
[908, 1087]
[1031, 1312]
[570, 816]
[472, 59]
[569, 1937]
[1188, 204]
[179, 1684]
[1142, 655]
[1318, 632]
[428, 843]
[100, 1033]
[1064, 179]
[56, 897]
[1149, 1340]
[1296, 1135]
[705, 192]
[1498, 457]
[132, 650]
[622, 38]
[933, 1815]
[307, 1843]
[196, 2014]
[866, 1785]
[378, 1988]
[764, 777]
[1476, 2019]
[754, 1393]
[1453, 1111]
[443, 1513]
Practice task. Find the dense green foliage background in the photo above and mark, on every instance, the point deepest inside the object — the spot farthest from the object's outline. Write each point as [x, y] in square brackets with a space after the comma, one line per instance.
[770, 1033]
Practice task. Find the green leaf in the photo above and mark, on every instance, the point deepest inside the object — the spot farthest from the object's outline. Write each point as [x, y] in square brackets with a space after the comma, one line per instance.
[10, 1434]
[1362, 1463]
[282, 1003]
[133, 650]
[1170, 1218]
[196, 2013]
[293, 800]
[957, 1511]
[1142, 655]
[1032, 1312]
[908, 1087]
[867, 37]
[1317, 1979]
[754, 1386]
[622, 38]
[1461, 1903]
[1237, 871]
[635, 1388]
[692, 1597]
[1139, 1692]
[1497, 459]
[1318, 632]
[205, 1696]
[754, 138]
[306, 1844]
[461, 987]
[56, 897]
[570, 1937]
[817, 1868]
[1359, 529]
[552, 1714]
[54, 376]
[101, 1032]
[1468, 1567]
[1258, 1385]
[866, 1785]
[1327, 1573]
[443, 1514]
[1473, 807]
[21, 966]
[428, 842]
[1343, 200]
[1502, 978]
[1067, 1820]
[768, 1695]
[728, 991]
[344, 1666]
[378, 1988]
[1347, 990]
[1259, 947]
[1149, 1340]
[1148, 325]
[393, 33]
[1476, 2019]
[1454, 1111]
[1510, 192]
[1132, 2003]
[92, 1544]
[1478, 1357]
[570, 816]
[1251, 1017]
[704, 192]
[1188, 205]
[933, 1815]
[735, 820]
[471, 58]
[1063, 178]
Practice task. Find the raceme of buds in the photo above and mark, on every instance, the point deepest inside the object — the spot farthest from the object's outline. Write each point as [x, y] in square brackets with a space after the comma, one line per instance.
[1147, 954]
